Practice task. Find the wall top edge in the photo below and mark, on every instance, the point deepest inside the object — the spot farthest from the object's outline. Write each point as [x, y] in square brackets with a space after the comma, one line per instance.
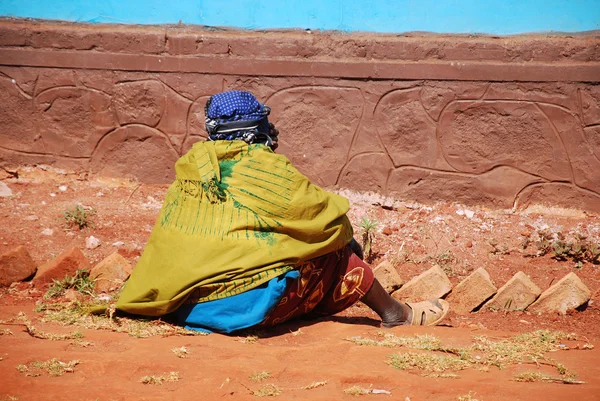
[48, 24]
[190, 41]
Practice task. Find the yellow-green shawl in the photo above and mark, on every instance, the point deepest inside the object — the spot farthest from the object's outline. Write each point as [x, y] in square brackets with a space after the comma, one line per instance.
[236, 216]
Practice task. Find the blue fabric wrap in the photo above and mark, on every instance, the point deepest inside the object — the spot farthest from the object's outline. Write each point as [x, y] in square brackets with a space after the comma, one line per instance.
[238, 311]
[236, 106]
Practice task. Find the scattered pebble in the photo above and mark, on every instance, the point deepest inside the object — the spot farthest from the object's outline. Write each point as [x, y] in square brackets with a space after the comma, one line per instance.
[99, 194]
[43, 202]
[152, 203]
[465, 212]
[92, 242]
[5, 190]
[31, 218]
[47, 231]
[62, 188]
[118, 243]
[52, 194]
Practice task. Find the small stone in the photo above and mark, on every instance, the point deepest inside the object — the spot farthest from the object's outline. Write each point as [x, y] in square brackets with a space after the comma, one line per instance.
[387, 231]
[118, 244]
[73, 295]
[67, 262]
[111, 273]
[31, 218]
[432, 283]
[517, 294]
[567, 294]
[52, 194]
[62, 188]
[92, 242]
[5, 190]
[47, 231]
[16, 265]
[471, 292]
[388, 276]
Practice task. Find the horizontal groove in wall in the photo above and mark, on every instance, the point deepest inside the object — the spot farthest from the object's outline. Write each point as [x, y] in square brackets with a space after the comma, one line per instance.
[345, 69]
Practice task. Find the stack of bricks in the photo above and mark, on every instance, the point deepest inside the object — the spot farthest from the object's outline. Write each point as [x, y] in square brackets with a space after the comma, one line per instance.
[477, 291]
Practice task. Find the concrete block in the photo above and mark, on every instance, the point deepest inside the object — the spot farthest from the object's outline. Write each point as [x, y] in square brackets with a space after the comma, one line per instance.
[111, 273]
[67, 262]
[517, 294]
[568, 293]
[432, 283]
[471, 292]
[15, 265]
[388, 276]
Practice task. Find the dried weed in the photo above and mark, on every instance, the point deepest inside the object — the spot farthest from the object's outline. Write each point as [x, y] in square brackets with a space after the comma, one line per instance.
[258, 377]
[180, 352]
[268, 390]
[53, 367]
[159, 380]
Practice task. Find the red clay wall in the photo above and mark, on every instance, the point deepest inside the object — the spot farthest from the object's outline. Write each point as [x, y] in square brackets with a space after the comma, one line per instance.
[479, 120]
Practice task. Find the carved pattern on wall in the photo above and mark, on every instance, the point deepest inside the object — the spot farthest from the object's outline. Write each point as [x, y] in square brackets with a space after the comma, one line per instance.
[500, 144]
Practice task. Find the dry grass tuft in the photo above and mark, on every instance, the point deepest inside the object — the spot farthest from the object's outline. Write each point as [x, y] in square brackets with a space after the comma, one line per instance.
[314, 385]
[467, 397]
[76, 314]
[258, 377]
[427, 362]
[447, 375]
[523, 348]
[82, 343]
[484, 353]
[159, 380]
[180, 352]
[269, 390]
[424, 342]
[531, 376]
[249, 340]
[357, 391]
[53, 367]
[33, 332]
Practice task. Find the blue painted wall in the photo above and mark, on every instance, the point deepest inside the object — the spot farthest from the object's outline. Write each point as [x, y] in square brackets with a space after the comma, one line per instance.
[500, 17]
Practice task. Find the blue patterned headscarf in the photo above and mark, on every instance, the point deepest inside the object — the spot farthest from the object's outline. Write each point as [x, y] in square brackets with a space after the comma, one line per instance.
[237, 115]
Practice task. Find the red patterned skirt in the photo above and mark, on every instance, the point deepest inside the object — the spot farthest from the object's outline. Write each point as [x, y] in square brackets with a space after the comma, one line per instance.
[327, 285]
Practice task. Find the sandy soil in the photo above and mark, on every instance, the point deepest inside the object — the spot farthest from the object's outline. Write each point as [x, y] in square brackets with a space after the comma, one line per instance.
[411, 236]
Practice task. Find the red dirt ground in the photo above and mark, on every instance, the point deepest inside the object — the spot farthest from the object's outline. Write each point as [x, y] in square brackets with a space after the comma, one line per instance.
[411, 236]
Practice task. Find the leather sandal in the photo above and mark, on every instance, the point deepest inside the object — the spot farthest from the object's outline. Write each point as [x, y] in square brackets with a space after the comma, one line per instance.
[428, 313]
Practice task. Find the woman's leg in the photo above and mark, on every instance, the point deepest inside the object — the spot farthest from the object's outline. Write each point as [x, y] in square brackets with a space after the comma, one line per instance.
[391, 312]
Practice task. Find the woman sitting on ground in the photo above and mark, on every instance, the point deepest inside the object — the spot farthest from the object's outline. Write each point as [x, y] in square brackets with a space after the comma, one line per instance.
[245, 240]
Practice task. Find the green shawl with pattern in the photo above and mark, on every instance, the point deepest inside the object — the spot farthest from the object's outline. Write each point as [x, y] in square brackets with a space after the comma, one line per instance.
[236, 216]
